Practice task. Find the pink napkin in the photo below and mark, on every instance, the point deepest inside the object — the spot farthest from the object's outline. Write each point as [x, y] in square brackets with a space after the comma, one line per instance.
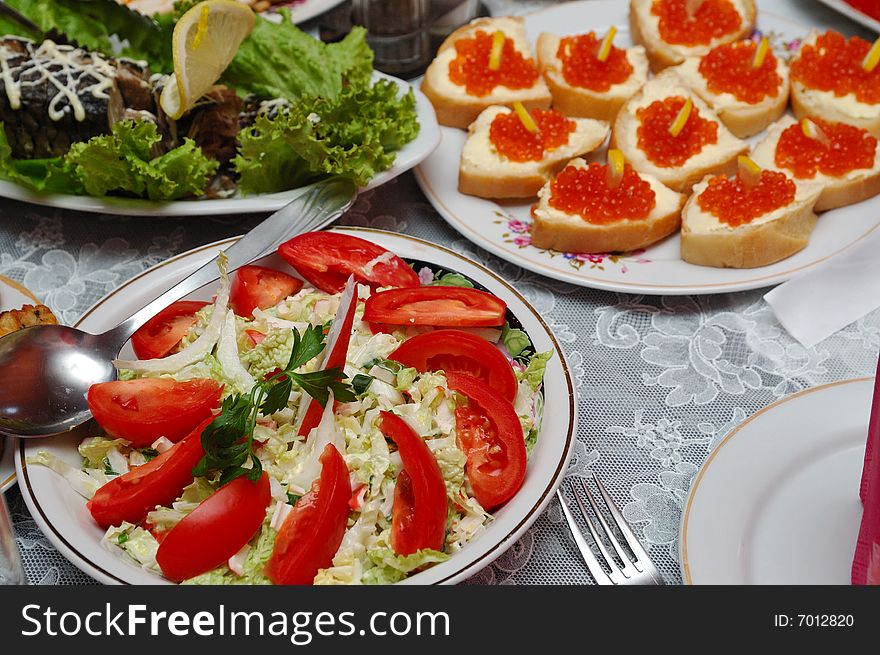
[866, 562]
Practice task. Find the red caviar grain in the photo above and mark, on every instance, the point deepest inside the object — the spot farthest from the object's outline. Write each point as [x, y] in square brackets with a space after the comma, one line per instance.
[659, 145]
[585, 191]
[470, 68]
[728, 69]
[731, 202]
[835, 64]
[850, 148]
[581, 66]
[508, 134]
[712, 19]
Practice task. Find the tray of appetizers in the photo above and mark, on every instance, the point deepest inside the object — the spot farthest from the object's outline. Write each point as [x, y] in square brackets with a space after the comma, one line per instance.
[668, 147]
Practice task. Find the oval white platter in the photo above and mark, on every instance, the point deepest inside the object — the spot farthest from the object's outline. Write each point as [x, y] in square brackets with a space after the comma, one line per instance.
[502, 228]
[777, 502]
[12, 296]
[61, 513]
[406, 158]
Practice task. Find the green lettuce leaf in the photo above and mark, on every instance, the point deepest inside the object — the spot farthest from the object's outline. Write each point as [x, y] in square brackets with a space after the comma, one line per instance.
[388, 567]
[53, 175]
[355, 135]
[534, 372]
[121, 162]
[95, 450]
[310, 67]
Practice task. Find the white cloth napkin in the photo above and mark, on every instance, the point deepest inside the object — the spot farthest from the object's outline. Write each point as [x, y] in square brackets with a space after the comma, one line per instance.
[815, 305]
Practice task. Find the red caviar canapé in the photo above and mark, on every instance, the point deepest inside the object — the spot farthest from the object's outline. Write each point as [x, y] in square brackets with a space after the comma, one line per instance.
[661, 147]
[470, 68]
[585, 191]
[849, 148]
[581, 66]
[835, 64]
[713, 19]
[512, 140]
[728, 69]
[732, 202]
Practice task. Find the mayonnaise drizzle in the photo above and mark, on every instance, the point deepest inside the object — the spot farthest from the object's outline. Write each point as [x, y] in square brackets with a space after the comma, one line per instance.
[73, 72]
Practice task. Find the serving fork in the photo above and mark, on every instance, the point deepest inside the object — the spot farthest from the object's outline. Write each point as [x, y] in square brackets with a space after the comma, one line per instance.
[628, 566]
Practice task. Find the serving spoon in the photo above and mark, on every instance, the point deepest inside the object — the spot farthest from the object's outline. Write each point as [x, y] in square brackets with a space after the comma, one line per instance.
[46, 370]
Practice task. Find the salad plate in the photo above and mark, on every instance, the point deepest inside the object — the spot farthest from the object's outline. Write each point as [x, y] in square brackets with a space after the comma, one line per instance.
[503, 228]
[777, 502]
[12, 296]
[406, 158]
[853, 12]
[62, 515]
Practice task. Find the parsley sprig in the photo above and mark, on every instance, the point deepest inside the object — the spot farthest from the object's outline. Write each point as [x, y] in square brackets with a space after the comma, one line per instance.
[228, 440]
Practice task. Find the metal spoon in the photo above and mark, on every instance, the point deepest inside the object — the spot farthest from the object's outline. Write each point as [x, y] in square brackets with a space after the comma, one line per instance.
[46, 370]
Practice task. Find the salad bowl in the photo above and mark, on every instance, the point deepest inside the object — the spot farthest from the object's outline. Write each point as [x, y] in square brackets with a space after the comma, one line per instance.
[62, 514]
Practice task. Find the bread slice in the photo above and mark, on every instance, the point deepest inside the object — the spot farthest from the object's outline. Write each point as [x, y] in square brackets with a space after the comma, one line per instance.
[556, 230]
[586, 103]
[454, 106]
[645, 28]
[853, 187]
[706, 241]
[743, 119]
[807, 102]
[486, 173]
[719, 157]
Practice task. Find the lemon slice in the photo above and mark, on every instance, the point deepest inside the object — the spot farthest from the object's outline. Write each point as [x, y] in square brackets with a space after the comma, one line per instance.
[497, 48]
[761, 53]
[812, 131]
[691, 7]
[682, 118]
[525, 117]
[204, 41]
[607, 42]
[748, 171]
[869, 63]
[616, 164]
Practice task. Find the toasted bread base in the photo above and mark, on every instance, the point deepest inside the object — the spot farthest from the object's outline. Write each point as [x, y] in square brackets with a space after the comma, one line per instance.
[461, 111]
[848, 192]
[745, 122]
[804, 105]
[486, 185]
[577, 235]
[749, 246]
[662, 55]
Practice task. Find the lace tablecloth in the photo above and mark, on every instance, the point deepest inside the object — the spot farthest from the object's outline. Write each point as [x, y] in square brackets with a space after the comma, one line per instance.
[660, 379]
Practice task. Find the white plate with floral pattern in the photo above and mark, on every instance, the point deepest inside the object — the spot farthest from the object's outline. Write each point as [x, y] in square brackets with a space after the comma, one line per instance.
[777, 502]
[12, 296]
[62, 515]
[503, 227]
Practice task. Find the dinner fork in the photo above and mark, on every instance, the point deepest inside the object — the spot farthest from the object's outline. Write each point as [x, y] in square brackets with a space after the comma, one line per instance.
[628, 568]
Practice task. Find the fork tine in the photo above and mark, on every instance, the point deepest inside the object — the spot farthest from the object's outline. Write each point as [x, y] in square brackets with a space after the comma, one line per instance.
[629, 569]
[587, 554]
[643, 561]
[616, 573]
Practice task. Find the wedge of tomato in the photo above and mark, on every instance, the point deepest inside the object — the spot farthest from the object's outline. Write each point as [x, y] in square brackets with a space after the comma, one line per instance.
[418, 515]
[436, 305]
[327, 259]
[459, 352]
[143, 410]
[258, 287]
[160, 481]
[215, 530]
[312, 532]
[160, 334]
[490, 434]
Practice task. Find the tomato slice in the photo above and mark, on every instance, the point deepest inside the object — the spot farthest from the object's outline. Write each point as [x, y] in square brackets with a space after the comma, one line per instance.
[337, 347]
[215, 530]
[438, 306]
[418, 516]
[131, 496]
[311, 533]
[490, 434]
[326, 259]
[160, 334]
[258, 287]
[143, 410]
[459, 352]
